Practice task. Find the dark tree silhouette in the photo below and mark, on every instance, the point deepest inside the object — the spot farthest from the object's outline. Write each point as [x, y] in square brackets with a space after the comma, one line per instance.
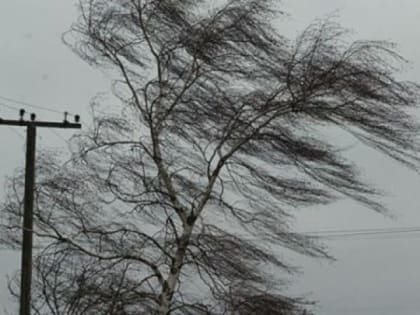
[171, 206]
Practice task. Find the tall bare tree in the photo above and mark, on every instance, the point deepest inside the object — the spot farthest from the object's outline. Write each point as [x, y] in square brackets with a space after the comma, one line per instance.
[173, 205]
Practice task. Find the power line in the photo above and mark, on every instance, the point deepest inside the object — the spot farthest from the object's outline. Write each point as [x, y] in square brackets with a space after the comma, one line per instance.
[16, 132]
[58, 135]
[369, 230]
[356, 234]
[29, 104]
[8, 106]
[39, 107]
[383, 233]
[15, 108]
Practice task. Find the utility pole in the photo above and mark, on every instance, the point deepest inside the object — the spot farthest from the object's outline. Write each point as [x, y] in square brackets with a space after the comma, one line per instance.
[27, 234]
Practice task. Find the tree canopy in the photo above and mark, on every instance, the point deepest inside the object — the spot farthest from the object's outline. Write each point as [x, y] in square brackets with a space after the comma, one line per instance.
[171, 205]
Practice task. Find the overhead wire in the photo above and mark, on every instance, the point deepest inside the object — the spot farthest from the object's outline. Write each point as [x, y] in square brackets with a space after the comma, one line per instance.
[34, 106]
[328, 231]
[8, 106]
[383, 233]
[392, 229]
[15, 101]
[350, 234]
[16, 132]
[58, 135]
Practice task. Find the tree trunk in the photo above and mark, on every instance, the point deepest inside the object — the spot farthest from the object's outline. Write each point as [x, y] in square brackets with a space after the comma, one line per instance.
[173, 277]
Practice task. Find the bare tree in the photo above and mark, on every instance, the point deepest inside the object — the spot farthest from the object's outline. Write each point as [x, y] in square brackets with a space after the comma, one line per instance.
[173, 206]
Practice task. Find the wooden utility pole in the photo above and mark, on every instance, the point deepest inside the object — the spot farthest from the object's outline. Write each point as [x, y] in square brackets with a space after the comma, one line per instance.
[27, 241]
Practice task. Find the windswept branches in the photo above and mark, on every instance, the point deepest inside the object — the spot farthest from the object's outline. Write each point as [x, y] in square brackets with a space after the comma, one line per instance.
[221, 134]
[247, 300]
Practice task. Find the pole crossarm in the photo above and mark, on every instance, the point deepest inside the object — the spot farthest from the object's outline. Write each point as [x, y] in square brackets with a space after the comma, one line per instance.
[45, 124]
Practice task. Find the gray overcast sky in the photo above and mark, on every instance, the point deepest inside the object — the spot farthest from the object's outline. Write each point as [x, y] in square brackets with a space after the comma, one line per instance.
[370, 276]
